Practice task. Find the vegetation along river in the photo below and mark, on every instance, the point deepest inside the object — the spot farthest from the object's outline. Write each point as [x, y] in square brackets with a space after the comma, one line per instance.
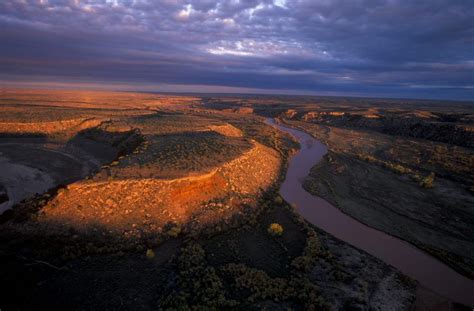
[413, 262]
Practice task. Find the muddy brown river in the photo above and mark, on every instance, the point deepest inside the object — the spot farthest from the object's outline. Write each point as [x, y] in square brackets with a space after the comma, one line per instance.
[427, 270]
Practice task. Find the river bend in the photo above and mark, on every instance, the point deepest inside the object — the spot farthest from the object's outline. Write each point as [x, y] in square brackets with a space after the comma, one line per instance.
[427, 270]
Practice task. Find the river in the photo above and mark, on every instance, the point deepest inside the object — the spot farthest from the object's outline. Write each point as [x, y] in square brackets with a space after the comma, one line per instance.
[413, 262]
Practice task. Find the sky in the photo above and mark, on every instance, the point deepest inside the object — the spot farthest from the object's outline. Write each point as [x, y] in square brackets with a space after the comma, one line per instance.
[378, 48]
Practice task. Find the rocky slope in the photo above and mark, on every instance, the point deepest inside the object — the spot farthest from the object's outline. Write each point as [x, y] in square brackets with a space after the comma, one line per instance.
[143, 204]
[435, 128]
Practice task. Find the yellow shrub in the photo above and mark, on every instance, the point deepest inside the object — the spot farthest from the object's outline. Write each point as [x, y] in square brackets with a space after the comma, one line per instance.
[428, 181]
[275, 229]
[150, 253]
[174, 231]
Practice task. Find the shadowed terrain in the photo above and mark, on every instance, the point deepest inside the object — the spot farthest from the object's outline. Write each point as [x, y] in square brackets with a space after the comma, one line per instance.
[149, 201]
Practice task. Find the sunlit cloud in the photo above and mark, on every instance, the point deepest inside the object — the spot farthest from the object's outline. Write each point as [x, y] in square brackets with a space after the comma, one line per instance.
[371, 47]
[184, 14]
[250, 47]
[280, 3]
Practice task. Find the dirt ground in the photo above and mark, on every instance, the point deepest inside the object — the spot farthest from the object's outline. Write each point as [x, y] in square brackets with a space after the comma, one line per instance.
[343, 276]
[167, 202]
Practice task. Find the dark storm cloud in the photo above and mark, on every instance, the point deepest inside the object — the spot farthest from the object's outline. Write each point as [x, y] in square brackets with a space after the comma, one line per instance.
[366, 47]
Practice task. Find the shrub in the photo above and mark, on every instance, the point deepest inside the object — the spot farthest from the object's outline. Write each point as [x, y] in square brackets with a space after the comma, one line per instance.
[199, 285]
[275, 229]
[311, 253]
[174, 231]
[428, 181]
[263, 287]
[368, 158]
[150, 253]
[397, 168]
[279, 200]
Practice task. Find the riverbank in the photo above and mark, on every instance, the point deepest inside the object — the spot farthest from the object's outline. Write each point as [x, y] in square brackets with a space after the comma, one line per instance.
[430, 272]
[413, 189]
[261, 254]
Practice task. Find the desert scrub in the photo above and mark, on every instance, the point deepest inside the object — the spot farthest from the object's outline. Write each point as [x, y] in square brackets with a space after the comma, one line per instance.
[174, 231]
[279, 200]
[311, 253]
[263, 287]
[313, 248]
[275, 229]
[394, 167]
[367, 158]
[397, 168]
[176, 154]
[427, 182]
[150, 254]
[199, 286]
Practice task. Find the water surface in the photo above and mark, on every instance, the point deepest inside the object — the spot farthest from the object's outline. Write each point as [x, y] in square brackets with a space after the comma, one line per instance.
[427, 270]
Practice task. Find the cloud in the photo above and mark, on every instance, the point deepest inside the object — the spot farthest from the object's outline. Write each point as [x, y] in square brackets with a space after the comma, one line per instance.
[393, 47]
